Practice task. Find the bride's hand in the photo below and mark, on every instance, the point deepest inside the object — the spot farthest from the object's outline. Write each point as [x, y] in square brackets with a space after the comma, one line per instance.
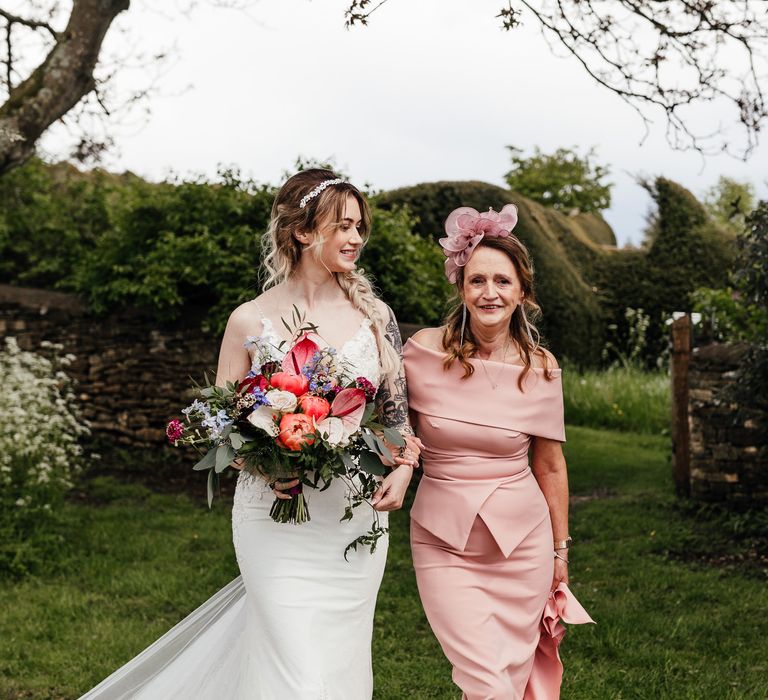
[391, 492]
[279, 486]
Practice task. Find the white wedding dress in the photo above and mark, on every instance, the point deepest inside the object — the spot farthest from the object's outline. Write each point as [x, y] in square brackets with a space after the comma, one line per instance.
[297, 623]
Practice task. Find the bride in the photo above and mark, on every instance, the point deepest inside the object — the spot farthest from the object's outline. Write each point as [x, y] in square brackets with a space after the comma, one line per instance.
[297, 624]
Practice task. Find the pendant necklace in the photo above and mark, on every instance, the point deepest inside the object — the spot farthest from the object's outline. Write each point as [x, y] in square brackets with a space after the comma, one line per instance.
[495, 384]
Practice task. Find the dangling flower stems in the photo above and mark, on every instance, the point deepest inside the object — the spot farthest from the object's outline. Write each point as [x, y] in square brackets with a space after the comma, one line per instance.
[294, 510]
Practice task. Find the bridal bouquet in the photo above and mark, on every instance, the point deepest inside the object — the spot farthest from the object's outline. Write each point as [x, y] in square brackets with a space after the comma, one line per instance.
[302, 418]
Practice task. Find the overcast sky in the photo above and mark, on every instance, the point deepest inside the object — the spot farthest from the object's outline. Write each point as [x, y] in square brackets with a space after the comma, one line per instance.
[431, 90]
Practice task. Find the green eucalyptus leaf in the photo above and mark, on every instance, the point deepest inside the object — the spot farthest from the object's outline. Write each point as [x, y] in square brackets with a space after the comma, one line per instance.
[382, 448]
[206, 462]
[393, 436]
[370, 440]
[369, 409]
[224, 456]
[212, 482]
[370, 462]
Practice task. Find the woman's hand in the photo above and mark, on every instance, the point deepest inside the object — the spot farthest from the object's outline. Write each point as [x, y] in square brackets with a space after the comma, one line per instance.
[409, 454]
[391, 492]
[561, 571]
[279, 486]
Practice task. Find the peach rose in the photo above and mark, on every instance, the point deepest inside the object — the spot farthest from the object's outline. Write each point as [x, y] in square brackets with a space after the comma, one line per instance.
[295, 429]
[315, 406]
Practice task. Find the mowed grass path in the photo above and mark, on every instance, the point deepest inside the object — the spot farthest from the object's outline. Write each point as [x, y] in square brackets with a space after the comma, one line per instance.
[140, 561]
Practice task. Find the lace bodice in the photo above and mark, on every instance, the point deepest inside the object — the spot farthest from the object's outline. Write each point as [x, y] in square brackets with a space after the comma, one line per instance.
[359, 355]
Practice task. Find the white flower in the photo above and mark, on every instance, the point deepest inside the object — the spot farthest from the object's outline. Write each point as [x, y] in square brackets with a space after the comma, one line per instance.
[283, 401]
[333, 432]
[264, 417]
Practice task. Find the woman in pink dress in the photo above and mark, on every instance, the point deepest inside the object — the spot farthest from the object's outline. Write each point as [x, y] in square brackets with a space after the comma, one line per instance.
[489, 532]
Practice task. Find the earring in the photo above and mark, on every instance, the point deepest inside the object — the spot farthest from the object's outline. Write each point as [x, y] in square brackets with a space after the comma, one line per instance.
[527, 326]
[463, 322]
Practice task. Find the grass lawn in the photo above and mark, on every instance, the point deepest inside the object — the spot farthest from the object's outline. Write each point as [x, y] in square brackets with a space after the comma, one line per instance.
[139, 561]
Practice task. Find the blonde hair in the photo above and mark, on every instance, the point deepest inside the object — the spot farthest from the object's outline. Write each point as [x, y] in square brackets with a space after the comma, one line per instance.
[282, 251]
[521, 325]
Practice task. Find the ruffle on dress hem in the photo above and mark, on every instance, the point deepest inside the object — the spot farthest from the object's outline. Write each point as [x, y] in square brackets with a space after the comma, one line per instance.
[547, 672]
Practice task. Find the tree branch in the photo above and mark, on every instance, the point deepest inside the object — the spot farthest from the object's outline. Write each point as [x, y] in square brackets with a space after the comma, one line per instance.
[12, 19]
[658, 56]
[58, 83]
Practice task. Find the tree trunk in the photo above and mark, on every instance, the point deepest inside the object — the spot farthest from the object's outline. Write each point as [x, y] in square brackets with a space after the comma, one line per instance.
[58, 83]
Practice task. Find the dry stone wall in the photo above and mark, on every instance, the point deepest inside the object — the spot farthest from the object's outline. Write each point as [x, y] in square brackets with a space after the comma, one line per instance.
[132, 373]
[728, 454]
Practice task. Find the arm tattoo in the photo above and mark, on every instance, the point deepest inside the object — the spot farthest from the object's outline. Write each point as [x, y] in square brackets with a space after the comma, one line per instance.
[392, 397]
[392, 333]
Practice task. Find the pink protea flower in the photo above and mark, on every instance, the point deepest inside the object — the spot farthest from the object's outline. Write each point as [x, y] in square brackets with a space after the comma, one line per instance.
[466, 227]
[174, 430]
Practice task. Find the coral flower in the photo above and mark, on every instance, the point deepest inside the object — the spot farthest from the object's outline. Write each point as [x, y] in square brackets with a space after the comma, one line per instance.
[297, 384]
[296, 430]
[314, 406]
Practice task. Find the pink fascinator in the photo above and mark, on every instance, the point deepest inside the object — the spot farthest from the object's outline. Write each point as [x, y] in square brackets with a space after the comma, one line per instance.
[466, 227]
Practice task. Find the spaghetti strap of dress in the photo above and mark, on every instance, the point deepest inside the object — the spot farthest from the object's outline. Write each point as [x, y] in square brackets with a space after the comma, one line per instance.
[258, 308]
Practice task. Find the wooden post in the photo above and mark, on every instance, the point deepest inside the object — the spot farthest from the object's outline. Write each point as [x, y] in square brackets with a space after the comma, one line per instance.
[681, 355]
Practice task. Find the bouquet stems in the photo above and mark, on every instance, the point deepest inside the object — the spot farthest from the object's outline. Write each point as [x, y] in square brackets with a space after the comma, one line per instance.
[294, 510]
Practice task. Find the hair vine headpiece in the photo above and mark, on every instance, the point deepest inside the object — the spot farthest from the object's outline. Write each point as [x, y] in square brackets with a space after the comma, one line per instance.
[317, 190]
[466, 227]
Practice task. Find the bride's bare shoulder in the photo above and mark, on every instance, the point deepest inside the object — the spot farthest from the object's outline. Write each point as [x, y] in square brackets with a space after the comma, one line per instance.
[245, 319]
[430, 338]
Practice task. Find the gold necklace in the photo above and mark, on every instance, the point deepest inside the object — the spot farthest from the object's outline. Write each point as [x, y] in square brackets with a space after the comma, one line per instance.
[495, 385]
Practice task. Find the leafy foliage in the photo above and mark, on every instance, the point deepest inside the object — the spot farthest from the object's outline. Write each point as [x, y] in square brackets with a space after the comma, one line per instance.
[406, 268]
[563, 180]
[686, 250]
[729, 202]
[740, 312]
[172, 247]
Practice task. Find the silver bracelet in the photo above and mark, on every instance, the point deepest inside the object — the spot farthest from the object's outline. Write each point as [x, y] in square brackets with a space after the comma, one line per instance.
[560, 557]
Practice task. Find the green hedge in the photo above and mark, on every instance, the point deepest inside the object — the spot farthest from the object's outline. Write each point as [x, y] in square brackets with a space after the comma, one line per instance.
[167, 248]
[170, 247]
[687, 250]
[573, 321]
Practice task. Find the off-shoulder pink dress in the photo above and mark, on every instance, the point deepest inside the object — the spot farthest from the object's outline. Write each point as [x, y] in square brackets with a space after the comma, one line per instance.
[480, 528]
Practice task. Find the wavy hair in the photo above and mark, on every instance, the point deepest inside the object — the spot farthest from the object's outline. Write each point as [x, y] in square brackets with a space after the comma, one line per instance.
[520, 323]
[282, 251]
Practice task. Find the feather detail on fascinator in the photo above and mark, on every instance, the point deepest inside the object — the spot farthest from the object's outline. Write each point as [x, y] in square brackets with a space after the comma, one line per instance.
[466, 227]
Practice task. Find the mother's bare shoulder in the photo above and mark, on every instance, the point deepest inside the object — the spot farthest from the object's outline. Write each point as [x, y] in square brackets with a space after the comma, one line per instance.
[430, 338]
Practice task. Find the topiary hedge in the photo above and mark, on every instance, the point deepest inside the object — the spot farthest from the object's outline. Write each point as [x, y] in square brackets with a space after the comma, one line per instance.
[687, 250]
[176, 247]
[573, 321]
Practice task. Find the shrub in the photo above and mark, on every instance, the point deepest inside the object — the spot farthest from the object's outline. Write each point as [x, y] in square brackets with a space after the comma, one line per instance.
[176, 245]
[563, 180]
[685, 250]
[40, 425]
[407, 269]
[572, 324]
